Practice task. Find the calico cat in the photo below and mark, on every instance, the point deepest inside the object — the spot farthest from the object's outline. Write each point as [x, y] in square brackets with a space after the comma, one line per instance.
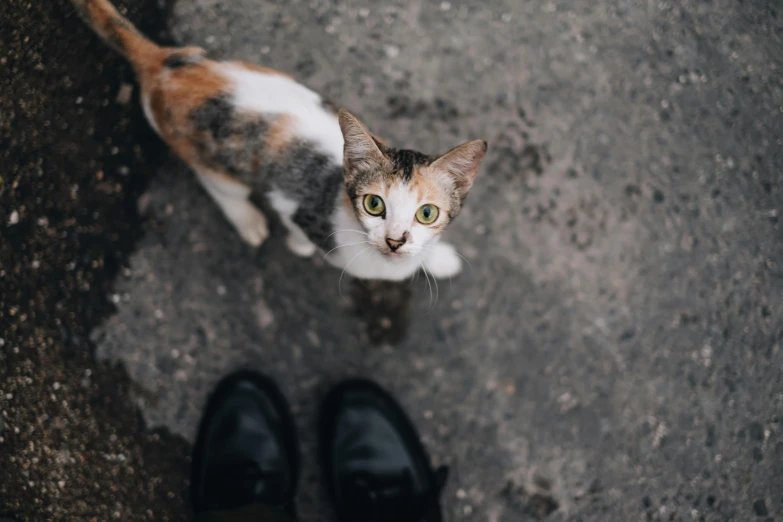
[375, 211]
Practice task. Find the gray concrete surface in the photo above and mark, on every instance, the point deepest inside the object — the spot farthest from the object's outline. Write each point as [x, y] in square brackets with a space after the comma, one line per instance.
[614, 353]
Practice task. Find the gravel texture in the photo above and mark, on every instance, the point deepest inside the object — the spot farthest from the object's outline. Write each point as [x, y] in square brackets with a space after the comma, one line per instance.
[72, 446]
[613, 351]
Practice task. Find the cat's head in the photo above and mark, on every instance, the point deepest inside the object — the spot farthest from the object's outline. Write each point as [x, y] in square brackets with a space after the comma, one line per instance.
[402, 198]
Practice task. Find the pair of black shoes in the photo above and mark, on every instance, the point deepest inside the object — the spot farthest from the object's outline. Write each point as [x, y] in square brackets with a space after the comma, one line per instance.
[375, 465]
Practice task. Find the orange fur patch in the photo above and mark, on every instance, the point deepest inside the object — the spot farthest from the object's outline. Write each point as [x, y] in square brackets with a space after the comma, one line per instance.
[428, 188]
[261, 69]
[279, 134]
[173, 95]
[119, 33]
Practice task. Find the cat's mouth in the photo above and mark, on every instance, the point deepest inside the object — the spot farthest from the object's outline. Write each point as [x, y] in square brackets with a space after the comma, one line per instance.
[394, 254]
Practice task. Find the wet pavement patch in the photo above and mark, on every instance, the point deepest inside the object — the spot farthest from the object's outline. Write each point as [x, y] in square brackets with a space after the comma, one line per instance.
[384, 307]
[75, 154]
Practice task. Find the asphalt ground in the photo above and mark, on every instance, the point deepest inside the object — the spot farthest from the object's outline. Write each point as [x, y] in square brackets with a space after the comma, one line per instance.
[612, 351]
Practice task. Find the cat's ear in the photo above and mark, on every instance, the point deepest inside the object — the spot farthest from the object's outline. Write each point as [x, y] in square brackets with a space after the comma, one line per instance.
[462, 163]
[361, 150]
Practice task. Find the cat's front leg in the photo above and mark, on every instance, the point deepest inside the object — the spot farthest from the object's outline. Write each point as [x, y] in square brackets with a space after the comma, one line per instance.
[300, 245]
[297, 240]
[442, 261]
[232, 198]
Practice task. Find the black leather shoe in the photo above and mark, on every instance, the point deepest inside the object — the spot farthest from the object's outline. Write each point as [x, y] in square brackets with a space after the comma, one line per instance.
[246, 451]
[375, 465]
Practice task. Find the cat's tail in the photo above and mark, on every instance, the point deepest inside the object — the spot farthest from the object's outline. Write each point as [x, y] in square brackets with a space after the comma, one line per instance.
[121, 35]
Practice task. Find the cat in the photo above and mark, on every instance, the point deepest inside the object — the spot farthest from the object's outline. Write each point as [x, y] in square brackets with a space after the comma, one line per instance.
[374, 211]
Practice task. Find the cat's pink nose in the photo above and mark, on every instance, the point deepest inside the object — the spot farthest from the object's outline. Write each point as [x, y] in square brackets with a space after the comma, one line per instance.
[394, 244]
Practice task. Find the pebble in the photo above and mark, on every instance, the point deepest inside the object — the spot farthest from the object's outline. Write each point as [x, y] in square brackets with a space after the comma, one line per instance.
[264, 315]
[124, 94]
[13, 219]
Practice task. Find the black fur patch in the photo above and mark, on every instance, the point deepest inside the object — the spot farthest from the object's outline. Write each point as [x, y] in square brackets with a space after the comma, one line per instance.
[315, 211]
[177, 61]
[404, 161]
[227, 141]
[215, 116]
[314, 181]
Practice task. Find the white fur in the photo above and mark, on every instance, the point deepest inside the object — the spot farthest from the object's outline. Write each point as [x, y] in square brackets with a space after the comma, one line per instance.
[297, 241]
[442, 261]
[145, 105]
[232, 198]
[276, 94]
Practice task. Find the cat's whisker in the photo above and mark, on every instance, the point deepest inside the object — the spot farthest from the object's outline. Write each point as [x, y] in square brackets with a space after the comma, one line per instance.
[340, 281]
[414, 278]
[466, 260]
[348, 230]
[346, 245]
[434, 280]
[429, 284]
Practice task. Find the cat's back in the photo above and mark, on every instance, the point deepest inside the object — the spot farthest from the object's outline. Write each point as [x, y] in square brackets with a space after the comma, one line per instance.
[309, 117]
[239, 118]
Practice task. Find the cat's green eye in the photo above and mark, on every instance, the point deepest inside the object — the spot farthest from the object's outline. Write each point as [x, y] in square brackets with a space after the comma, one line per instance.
[427, 214]
[374, 205]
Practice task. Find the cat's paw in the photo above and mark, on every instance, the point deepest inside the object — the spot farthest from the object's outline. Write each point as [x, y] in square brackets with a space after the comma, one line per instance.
[300, 246]
[251, 225]
[443, 261]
